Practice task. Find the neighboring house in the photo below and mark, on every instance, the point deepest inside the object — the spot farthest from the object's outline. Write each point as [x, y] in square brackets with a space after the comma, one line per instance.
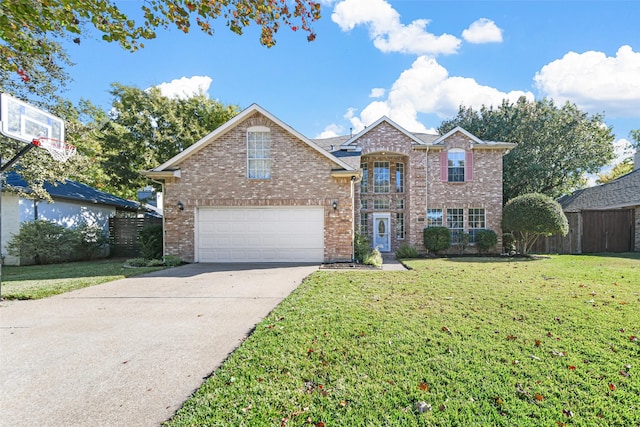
[73, 203]
[255, 189]
[604, 218]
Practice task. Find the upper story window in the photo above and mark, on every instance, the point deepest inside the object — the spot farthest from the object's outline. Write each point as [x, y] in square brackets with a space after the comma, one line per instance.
[380, 177]
[399, 177]
[455, 165]
[364, 183]
[258, 152]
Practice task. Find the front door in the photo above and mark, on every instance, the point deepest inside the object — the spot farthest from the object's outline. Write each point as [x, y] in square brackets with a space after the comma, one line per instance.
[381, 233]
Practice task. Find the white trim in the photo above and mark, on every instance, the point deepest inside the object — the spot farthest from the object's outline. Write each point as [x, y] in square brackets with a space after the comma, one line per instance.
[386, 216]
[415, 139]
[206, 140]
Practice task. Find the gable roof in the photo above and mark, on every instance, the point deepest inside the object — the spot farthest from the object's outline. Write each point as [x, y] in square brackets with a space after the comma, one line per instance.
[75, 191]
[475, 139]
[620, 193]
[172, 163]
[383, 119]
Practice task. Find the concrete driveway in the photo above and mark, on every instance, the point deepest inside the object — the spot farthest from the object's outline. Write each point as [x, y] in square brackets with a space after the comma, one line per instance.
[130, 352]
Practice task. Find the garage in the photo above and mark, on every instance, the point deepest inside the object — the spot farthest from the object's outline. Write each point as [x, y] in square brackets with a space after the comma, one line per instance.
[260, 234]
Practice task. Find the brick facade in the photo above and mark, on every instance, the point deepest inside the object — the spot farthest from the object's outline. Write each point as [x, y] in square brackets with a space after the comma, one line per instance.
[217, 176]
[424, 187]
[213, 172]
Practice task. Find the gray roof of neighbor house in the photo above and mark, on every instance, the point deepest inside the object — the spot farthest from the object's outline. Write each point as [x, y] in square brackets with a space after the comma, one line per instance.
[72, 190]
[620, 193]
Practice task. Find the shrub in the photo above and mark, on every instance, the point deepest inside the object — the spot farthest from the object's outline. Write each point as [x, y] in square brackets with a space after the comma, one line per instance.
[151, 241]
[486, 239]
[361, 247]
[437, 239]
[462, 241]
[532, 215]
[172, 260]
[136, 262]
[89, 241]
[43, 241]
[406, 251]
[373, 258]
[508, 243]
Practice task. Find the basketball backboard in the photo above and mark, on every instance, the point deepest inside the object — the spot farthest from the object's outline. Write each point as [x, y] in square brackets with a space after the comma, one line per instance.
[26, 123]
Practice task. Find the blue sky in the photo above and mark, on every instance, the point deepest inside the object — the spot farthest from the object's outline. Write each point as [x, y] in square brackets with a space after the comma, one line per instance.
[414, 61]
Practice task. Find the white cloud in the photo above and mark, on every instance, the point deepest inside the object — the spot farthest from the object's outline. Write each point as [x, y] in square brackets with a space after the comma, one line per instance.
[186, 87]
[483, 31]
[595, 82]
[330, 131]
[377, 92]
[427, 88]
[386, 30]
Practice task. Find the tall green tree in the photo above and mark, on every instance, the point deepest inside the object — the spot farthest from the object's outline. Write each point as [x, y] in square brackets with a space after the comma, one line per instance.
[146, 129]
[557, 145]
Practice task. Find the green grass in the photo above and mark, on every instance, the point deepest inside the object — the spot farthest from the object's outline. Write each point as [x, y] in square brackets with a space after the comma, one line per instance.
[482, 342]
[40, 281]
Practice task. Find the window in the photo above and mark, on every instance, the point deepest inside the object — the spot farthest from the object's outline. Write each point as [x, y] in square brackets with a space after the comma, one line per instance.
[364, 223]
[364, 204]
[400, 204]
[364, 183]
[380, 177]
[455, 165]
[258, 153]
[455, 223]
[381, 204]
[399, 225]
[399, 177]
[476, 222]
[434, 218]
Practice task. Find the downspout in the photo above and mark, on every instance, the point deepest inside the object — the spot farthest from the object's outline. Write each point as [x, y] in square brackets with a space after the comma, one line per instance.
[164, 249]
[354, 181]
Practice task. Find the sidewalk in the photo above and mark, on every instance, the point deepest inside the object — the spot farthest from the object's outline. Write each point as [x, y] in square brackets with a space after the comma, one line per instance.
[390, 263]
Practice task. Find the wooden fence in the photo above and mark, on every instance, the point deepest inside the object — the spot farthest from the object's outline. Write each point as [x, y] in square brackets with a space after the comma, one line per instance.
[124, 235]
[592, 232]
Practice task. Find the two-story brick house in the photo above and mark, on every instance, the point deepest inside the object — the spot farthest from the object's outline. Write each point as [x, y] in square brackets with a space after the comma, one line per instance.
[257, 190]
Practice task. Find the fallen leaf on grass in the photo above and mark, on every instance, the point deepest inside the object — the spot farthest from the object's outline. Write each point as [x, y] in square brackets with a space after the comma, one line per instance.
[558, 353]
[511, 337]
[319, 424]
[567, 412]
[624, 374]
[445, 329]
[612, 386]
[572, 368]
[538, 342]
[633, 338]
[423, 386]
[539, 397]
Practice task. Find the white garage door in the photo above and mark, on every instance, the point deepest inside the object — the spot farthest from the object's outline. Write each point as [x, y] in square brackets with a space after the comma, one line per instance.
[281, 234]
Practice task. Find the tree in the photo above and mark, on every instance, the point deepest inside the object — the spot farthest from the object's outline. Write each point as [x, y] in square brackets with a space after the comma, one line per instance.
[618, 170]
[146, 129]
[532, 215]
[30, 31]
[556, 145]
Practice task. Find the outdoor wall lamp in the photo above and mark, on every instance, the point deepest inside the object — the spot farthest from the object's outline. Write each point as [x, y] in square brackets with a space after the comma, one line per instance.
[335, 205]
[181, 206]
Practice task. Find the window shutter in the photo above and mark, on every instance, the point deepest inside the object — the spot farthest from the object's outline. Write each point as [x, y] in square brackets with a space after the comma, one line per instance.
[443, 166]
[468, 166]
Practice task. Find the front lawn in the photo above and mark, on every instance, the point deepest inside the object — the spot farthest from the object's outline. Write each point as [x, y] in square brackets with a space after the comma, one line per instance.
[454, 342]
[39, 281]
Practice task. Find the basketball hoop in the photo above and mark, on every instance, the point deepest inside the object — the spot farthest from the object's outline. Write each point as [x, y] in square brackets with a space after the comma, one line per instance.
[59, 150]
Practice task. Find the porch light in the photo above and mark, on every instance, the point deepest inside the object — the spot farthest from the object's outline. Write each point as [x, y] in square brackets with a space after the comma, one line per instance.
[335, 205]
[181, 206]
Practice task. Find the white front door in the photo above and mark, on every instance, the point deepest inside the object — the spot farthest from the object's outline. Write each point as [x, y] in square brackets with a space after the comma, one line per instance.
[381, 232]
